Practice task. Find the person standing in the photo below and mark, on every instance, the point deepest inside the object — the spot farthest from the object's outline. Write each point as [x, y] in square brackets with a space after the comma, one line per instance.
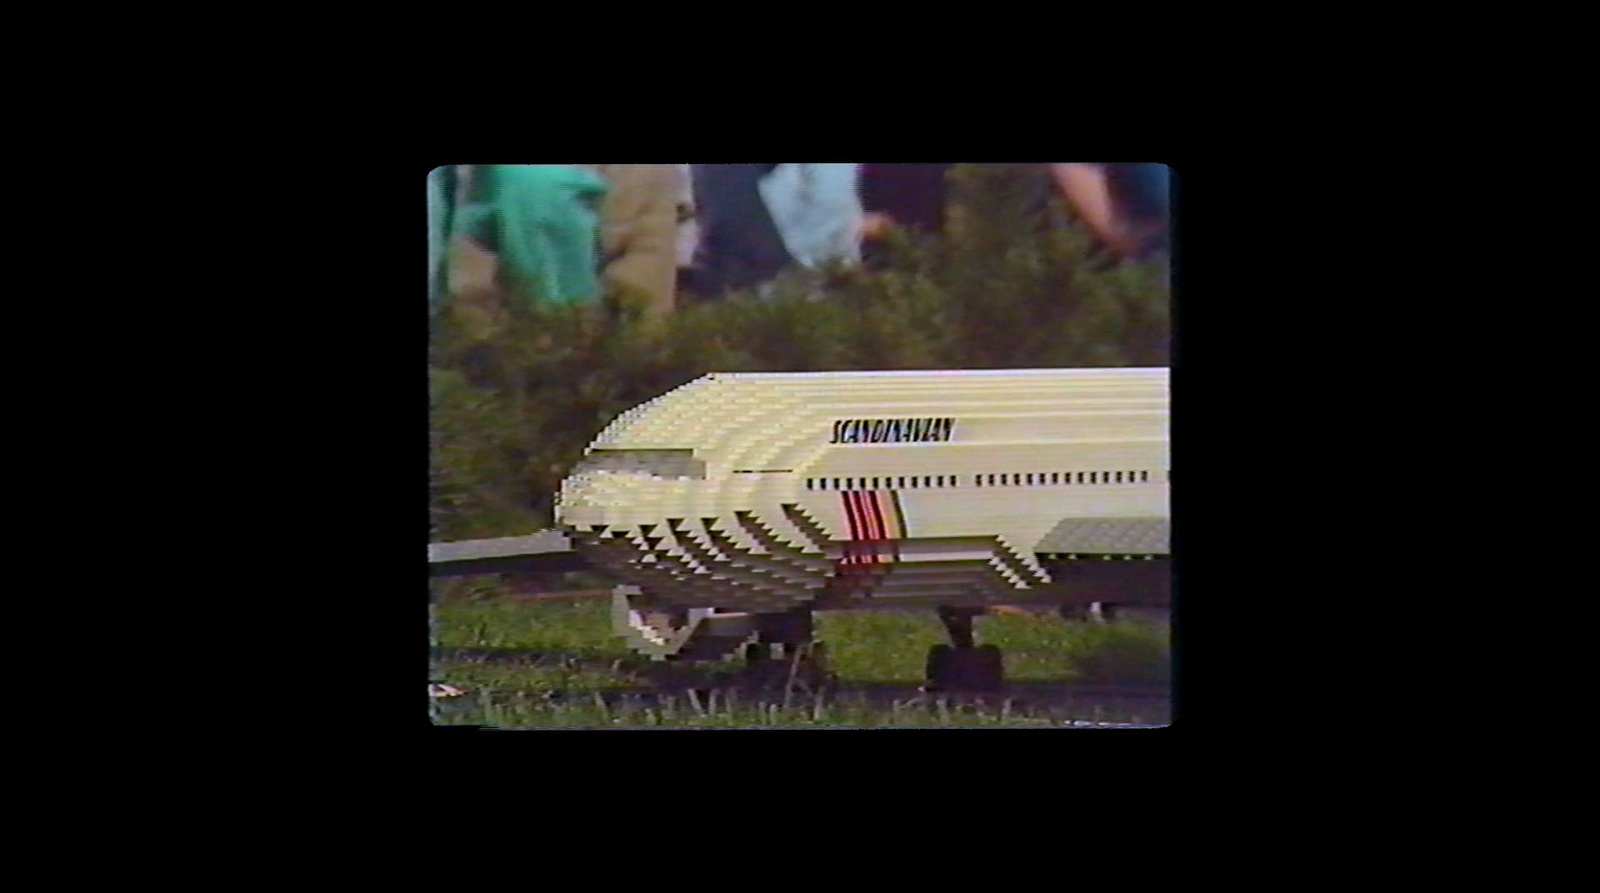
[441, 206]
[1127, 207]
[639, 221]
[540, 222]
[817, 211]
[740, 246]
[908, 196]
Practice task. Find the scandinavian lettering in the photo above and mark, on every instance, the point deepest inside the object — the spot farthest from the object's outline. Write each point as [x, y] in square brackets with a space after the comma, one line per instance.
[893, 430]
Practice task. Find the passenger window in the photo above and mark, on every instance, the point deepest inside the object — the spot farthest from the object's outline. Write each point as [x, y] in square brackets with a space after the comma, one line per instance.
[1144, 476]
[927, 480]
[836, 484]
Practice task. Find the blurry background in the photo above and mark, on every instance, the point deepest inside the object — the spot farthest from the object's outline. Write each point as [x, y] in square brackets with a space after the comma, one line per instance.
[562, 295]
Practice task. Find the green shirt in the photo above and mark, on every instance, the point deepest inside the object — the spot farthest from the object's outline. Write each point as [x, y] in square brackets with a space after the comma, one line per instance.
[544, 221]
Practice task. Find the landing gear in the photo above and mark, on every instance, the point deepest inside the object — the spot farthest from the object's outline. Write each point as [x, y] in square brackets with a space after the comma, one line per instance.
[965, 669]
[784, 650]
[962, 666]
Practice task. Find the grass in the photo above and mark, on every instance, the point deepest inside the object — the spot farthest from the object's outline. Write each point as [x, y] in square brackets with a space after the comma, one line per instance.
[689, 710]
[556, 663]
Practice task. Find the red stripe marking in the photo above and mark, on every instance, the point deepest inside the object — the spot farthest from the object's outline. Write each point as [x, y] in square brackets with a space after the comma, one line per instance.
[866, 528]
[869, 529]
[899, 524]
[882, 532]
[864, 551]
[855, 529]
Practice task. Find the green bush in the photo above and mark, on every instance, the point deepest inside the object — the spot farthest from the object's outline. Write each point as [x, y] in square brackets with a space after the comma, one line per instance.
[1014, 282]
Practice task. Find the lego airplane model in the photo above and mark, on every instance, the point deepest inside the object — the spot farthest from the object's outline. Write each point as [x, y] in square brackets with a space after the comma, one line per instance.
[735, 505]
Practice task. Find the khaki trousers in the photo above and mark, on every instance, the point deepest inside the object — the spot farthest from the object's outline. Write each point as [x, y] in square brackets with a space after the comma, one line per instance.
[639, 231]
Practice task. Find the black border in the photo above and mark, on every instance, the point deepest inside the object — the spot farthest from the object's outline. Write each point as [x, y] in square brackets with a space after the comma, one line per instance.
[1205, 423]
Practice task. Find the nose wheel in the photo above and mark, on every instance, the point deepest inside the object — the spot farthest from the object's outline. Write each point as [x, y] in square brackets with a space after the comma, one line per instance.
[664, 632]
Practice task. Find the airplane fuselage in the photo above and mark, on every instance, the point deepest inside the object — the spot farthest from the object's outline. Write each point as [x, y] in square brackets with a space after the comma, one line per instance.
[764, 492]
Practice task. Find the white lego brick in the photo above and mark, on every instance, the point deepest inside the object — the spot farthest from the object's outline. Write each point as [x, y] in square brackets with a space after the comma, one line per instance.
[809, 477]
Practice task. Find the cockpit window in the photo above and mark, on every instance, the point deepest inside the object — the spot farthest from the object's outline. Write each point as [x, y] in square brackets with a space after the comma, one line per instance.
[668, 464]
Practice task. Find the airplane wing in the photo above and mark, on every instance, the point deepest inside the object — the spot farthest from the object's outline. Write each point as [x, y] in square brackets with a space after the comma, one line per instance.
[543, 552]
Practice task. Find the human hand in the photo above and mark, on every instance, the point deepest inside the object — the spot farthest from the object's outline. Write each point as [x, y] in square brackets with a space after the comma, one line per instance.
[875, 224]
[1129, 238]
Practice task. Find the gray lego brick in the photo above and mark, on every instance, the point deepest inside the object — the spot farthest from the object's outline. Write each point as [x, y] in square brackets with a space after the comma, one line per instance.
[545, 551]
[1138, 536]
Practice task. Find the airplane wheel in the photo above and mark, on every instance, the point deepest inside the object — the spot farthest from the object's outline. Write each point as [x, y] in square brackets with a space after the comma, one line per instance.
[937, 670]
[965, 669]
[989, 668]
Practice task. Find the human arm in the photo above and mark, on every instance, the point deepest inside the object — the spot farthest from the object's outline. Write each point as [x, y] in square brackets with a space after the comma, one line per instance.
[1088, 192]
